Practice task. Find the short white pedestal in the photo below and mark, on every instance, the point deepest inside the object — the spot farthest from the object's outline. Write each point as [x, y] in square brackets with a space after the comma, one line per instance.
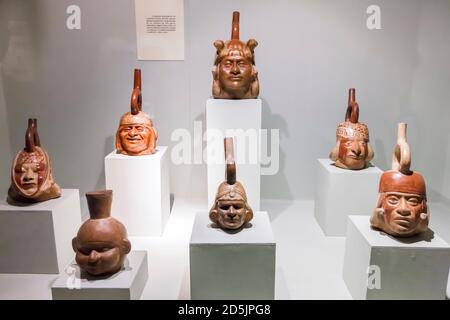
[340, 193]
[37, 238]
[141, 192]
[240, 119]
[127, 284]
[379, 266]
[227, 265]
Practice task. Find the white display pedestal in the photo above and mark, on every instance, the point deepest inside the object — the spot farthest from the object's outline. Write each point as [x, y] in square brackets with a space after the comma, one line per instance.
[340, 193]
[127, 284]
[240, 119]
[230, 265]
[37, 238]
[141, 192]
[410, 268]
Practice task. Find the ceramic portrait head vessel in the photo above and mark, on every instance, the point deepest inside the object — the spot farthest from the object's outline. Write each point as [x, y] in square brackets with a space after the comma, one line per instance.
[230, 210]
[136, 135]
[31, 171]
[402, 209]
[352, 150]
[234, 72]
[101, 244]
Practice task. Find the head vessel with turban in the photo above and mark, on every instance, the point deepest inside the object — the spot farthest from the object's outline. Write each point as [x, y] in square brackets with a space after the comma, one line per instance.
[401, 209]
[352, 150]
[136, 135]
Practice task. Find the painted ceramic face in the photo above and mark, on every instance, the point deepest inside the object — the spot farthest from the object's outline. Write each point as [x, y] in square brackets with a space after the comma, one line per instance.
[231, 210]
[30, 172]
[235, 74]
[231, 213]
[402, 209]
[101, 246]
[352, 153]
[136, 135]
[352, 150]
[402, 212]
[135, 138]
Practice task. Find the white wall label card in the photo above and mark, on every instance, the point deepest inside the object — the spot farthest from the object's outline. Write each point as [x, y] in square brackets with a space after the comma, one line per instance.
[160, 29]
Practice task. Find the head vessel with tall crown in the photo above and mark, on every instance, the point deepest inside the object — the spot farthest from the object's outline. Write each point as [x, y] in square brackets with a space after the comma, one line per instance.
[234, 72]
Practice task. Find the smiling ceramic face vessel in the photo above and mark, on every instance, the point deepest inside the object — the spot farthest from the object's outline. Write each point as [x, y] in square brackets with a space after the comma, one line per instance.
[230, 210]
[101, 244]
[31, 172]
[402, 209]
[234, 72]
[352, 150]
[136, 135]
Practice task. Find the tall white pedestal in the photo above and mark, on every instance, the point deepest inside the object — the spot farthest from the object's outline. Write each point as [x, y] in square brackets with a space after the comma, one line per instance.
[240, 119]
[230, 265]
[127, 284]
[340, 193]
[37, 238]
[141, 192]
[379, 266]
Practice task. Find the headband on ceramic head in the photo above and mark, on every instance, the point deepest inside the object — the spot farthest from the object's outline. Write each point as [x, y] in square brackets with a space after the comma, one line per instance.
[351, 128]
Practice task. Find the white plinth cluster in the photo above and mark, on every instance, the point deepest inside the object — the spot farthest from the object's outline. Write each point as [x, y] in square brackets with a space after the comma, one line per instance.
[141, 192]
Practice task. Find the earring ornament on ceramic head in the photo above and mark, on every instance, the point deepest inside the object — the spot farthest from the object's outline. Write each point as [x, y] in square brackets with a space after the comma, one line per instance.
[230, 210]
[402, 209]
[136, 135]
[31, 172]
[352, 150]
[234, 72]
[101, 243]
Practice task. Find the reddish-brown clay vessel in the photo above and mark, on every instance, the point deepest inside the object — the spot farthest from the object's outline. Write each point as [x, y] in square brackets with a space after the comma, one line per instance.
[352, 150]
[31, 172]
[101, 244]
[136, 135]
[230, 209]
[402, 209]
[234, 72]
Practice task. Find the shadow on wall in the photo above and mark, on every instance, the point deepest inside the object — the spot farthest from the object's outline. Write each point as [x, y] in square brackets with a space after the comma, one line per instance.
[101, 183]
[275, 186]
[380, 159]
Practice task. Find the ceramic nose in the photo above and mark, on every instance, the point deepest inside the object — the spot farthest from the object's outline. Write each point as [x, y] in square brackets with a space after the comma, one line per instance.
[28, 175]
[94, 257]
[403, 208]
[235, 69]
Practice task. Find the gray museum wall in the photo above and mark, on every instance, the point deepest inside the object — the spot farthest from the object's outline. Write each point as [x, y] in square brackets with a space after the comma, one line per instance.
[78, 83]
[5, 153]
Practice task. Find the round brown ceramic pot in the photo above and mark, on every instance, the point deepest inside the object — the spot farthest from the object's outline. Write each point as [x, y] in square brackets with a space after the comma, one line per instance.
[101, 244]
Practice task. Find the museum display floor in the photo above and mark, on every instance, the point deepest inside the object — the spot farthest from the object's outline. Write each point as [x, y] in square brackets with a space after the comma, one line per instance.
[308, 266]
